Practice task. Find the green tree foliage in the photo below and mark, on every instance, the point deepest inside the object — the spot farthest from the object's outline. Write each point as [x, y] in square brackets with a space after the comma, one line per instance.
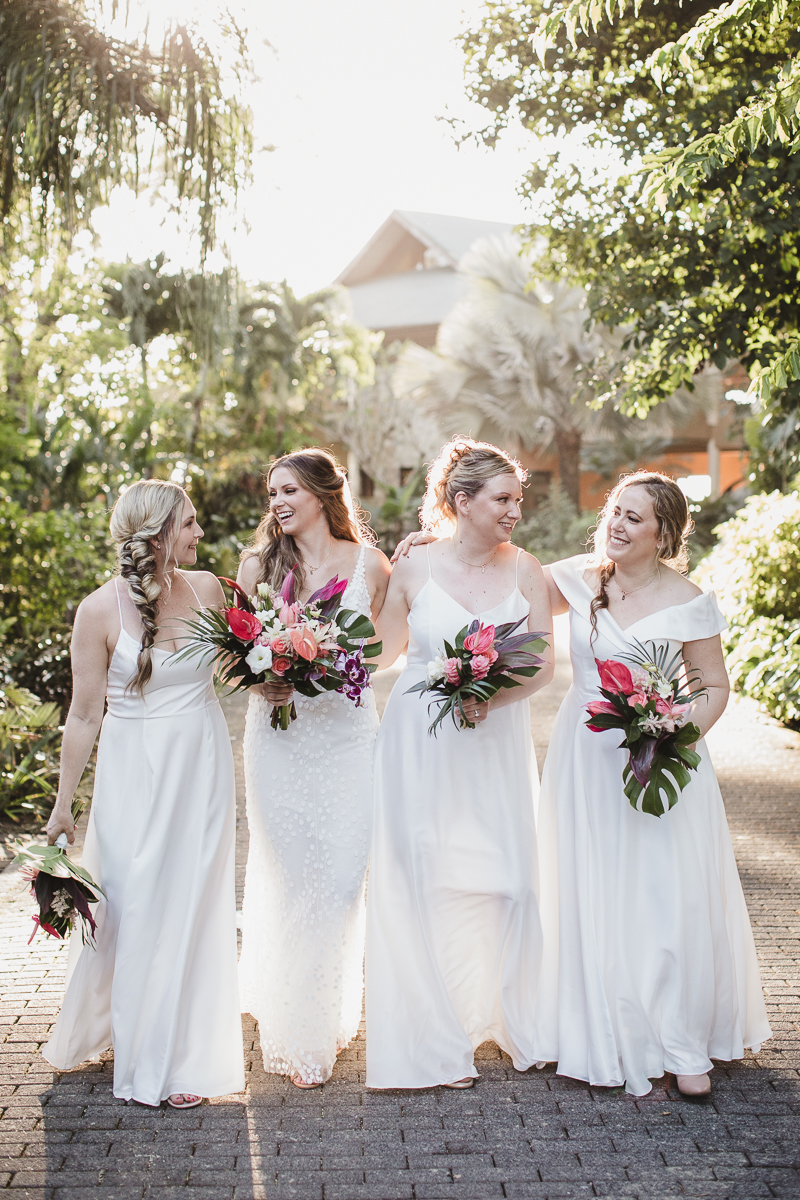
[706, 275]
[29, 745]
[755, 568]
[76, 104]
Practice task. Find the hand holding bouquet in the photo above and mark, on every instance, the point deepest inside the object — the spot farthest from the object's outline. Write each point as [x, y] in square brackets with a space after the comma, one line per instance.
[62, 889]
[271, 638]
[482, 662]
[650, 702]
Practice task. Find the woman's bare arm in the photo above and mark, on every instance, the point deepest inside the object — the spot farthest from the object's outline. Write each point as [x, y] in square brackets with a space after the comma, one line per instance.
[533, 586]
[90, 654]
[705, 659]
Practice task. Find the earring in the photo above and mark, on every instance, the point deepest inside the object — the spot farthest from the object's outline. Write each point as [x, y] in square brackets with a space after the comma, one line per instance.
[158, 545]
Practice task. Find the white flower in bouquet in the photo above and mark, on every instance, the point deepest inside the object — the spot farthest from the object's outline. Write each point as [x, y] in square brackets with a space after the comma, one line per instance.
[259, 659]
[435, 671]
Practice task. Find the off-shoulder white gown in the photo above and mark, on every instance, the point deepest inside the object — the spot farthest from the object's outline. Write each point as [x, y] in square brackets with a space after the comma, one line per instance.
[649, 961]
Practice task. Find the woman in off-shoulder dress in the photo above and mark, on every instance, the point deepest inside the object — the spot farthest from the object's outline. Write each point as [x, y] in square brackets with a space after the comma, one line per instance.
[649, 961]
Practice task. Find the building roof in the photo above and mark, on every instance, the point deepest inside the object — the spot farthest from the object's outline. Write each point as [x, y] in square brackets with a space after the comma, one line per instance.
[409, 241]
[413, 298]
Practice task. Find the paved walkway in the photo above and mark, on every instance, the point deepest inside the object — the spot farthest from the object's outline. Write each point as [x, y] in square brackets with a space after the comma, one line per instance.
[533, 1135]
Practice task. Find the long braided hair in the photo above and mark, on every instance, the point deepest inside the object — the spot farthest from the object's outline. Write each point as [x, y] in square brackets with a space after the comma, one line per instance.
[674, 527]
[462, 465]
[319, 472]
[145, 512]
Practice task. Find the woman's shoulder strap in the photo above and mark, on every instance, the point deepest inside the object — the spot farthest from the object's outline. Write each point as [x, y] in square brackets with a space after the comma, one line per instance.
[194, 593]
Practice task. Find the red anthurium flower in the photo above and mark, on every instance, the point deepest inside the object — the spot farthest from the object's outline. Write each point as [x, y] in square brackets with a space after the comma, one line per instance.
[244, 624]
[615, 677]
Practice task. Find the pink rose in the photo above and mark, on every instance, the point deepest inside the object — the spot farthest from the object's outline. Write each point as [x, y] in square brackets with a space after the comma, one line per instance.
[281, 665]
[304, 642]
[452, 671]
[615, 677]
[480, 664]
[281, 644]
[637, 698]
[481, 640]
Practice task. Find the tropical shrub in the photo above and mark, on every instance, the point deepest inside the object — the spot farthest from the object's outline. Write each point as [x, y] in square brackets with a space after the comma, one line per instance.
[556, 529]
[48, 562]
[30, 742]
[755, 570]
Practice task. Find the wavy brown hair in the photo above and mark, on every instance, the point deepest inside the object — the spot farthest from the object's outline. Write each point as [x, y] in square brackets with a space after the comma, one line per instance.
[144, 512]
[320, 473]
[674, 528]
[462, 465]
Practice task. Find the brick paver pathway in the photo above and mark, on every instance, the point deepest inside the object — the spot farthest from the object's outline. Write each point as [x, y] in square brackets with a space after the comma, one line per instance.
[532, 1135]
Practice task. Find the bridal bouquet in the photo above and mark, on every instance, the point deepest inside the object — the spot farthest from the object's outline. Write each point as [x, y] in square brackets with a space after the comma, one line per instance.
[271, 638]
[62, 889]
[481, 663]
[650, 702]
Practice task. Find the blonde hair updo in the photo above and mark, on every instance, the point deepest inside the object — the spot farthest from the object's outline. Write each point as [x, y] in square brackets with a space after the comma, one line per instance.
[462, 465]
[149, 509]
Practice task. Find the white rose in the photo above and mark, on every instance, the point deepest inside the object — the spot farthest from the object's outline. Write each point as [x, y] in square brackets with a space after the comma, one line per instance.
[259, 659]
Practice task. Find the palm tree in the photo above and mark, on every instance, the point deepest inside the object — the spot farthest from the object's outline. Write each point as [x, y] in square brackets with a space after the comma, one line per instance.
[517, 362]
[74, 103]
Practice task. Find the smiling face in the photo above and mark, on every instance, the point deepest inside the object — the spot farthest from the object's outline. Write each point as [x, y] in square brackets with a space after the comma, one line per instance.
[633, 530]
[186, 537]
[494, 510]
[296, 508]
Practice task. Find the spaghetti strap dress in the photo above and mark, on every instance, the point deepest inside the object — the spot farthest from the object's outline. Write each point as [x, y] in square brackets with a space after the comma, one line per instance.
[161, 986]
[453, 933]
[650, 964]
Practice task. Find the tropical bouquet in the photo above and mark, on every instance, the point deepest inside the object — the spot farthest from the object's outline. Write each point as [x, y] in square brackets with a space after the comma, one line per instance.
[650, 701]
[271, 638]
[62, 889]
[481, 662]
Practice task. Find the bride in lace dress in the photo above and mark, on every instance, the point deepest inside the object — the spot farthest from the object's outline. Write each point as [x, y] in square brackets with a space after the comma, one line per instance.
[309, 792]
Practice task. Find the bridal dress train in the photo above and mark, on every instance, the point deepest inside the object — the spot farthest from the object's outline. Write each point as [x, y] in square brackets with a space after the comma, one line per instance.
[453, 931]
[649, 964]
[161, 985]
[309, 809]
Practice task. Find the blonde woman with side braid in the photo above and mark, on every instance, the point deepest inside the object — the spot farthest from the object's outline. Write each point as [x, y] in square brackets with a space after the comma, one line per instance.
[160, 988]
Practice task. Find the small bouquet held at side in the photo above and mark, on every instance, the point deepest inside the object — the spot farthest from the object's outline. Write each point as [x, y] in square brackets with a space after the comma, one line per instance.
[62, 889]
[271, 638]
[483, 661]
[650, 701]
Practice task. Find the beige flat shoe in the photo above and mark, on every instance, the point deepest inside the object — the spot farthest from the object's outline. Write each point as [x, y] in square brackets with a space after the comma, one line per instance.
[461, 1084]
[694, 1085]
[298, 1083]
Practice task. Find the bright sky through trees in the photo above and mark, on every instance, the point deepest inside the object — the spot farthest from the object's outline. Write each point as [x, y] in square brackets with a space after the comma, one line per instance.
[349, 96]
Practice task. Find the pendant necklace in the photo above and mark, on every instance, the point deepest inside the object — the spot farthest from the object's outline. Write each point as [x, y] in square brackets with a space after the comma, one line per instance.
[482, 566]
[630, 591]
[314, 569]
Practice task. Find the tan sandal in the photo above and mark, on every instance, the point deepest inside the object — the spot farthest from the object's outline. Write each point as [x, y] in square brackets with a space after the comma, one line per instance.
[299, 1083]
[461, 1084]
[184, 1100]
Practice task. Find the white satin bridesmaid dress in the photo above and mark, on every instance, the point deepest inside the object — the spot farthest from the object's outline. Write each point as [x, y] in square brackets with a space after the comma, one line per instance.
[453, 933]
[161, 986]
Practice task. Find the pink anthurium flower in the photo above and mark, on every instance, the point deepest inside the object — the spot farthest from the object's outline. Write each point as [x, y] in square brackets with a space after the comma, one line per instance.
[615, 677]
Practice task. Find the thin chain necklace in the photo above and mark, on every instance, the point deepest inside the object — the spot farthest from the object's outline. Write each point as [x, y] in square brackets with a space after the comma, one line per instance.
[482, 566]
[630, 591]
[322, 564]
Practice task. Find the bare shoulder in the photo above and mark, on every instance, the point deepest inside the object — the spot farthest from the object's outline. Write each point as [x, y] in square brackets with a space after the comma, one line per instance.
[249, 570]
[376, 564]
[99, 610]
[681, 589]
[530, 572]
[207, 586]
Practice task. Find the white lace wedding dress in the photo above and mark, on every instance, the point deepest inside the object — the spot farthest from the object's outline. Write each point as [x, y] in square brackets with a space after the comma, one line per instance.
[309, 809]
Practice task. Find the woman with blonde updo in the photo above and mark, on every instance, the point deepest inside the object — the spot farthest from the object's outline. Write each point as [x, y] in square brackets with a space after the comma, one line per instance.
[160, 987]
[454, 939]
[649, 965]
[309, 791]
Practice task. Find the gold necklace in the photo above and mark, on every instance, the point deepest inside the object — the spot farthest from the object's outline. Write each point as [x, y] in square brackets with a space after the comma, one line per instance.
[630, 591]
[482, 566]
[322, 564]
